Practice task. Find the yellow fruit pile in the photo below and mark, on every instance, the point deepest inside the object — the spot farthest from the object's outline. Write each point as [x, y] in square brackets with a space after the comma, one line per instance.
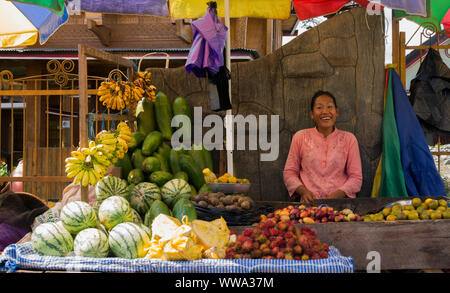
[430, 209]
[227, 178]
[173, 240]
[89, 165]
[210, 177]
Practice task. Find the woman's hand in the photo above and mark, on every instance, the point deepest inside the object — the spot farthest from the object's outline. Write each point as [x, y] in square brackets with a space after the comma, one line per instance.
[306, 195]
[337, 194]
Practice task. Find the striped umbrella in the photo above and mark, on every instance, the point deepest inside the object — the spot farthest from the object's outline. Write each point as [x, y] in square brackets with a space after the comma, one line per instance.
[21, 24]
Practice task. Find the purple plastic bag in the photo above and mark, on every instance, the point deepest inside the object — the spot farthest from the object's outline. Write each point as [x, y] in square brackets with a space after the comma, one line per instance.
[206, 53]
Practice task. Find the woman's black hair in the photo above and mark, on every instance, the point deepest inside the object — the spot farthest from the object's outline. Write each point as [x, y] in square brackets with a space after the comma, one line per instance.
[320, 93]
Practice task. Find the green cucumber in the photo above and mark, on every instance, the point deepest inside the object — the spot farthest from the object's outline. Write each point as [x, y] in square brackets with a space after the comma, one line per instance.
[197, 155]
[194, 172]
[125, 164]
[164, 115]
[173, 161]
[193, 190]
[151, 142]
[135, 176]
[207, 158]
[146, 119]
[160, 177]
[137, 158]
[181, 107]
[151, 164]
[136, 141]
[163, 162]
[181, 175]
[205, 187]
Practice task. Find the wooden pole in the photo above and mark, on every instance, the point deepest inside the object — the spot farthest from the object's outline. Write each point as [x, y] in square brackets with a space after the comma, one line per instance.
[83, 108]
[402, 59]
[395, 42]
[228, 120]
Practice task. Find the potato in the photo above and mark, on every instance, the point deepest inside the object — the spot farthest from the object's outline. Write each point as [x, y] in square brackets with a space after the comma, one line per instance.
[228, 200]
[230, 207]
[246, 205]
[214, 201]
[203, 203]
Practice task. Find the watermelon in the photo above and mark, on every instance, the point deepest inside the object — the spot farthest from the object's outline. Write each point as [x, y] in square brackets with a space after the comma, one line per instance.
[175, 189]
[91, 242]
[113, 211]
[78, 215]
[128, 240]
[184, 207]
[110, 186]
[136, 218]
[146, 229]
[143, 195]
[52, 239]
[158, 207]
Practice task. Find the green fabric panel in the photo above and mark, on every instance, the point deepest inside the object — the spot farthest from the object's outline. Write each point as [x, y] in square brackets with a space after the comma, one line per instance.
[392, 177]
[436, 11]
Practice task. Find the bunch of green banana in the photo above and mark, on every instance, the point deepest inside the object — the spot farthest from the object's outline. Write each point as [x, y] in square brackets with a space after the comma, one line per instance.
[86, 165]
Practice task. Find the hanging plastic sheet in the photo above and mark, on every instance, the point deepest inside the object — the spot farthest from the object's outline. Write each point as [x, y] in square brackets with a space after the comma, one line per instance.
[138, 7]
[280, 9]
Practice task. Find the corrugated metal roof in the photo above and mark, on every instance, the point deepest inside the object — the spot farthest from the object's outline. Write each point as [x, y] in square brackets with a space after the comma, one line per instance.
[133, 53]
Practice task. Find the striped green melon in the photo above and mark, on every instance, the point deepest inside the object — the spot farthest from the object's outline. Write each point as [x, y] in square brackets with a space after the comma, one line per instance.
[147, 230]
[114, 210]
[91, 242]
[175, 189]
[52, 239]
[78, 215]
[143, 195]
[137, 219]
[128, 240]
[102, 228]
[111, 186]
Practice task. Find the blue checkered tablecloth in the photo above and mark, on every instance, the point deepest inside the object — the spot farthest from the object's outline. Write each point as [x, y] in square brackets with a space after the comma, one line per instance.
[22, 256]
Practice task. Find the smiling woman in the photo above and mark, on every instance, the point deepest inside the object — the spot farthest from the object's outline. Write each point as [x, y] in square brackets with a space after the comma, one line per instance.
[323, 161]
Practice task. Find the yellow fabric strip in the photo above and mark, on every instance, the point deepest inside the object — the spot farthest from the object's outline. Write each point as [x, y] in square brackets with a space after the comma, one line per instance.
[18, 40]
[273, 9]
[377, 180]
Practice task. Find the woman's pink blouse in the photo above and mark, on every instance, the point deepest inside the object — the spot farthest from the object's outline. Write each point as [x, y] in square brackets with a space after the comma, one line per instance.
[323, 164]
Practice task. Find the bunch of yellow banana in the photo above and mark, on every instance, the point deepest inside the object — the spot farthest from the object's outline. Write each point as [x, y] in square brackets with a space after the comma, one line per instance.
[107, 143]
[86, 165]
[133, 96]
[142, 80]
[123, 135]
[111, 95]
